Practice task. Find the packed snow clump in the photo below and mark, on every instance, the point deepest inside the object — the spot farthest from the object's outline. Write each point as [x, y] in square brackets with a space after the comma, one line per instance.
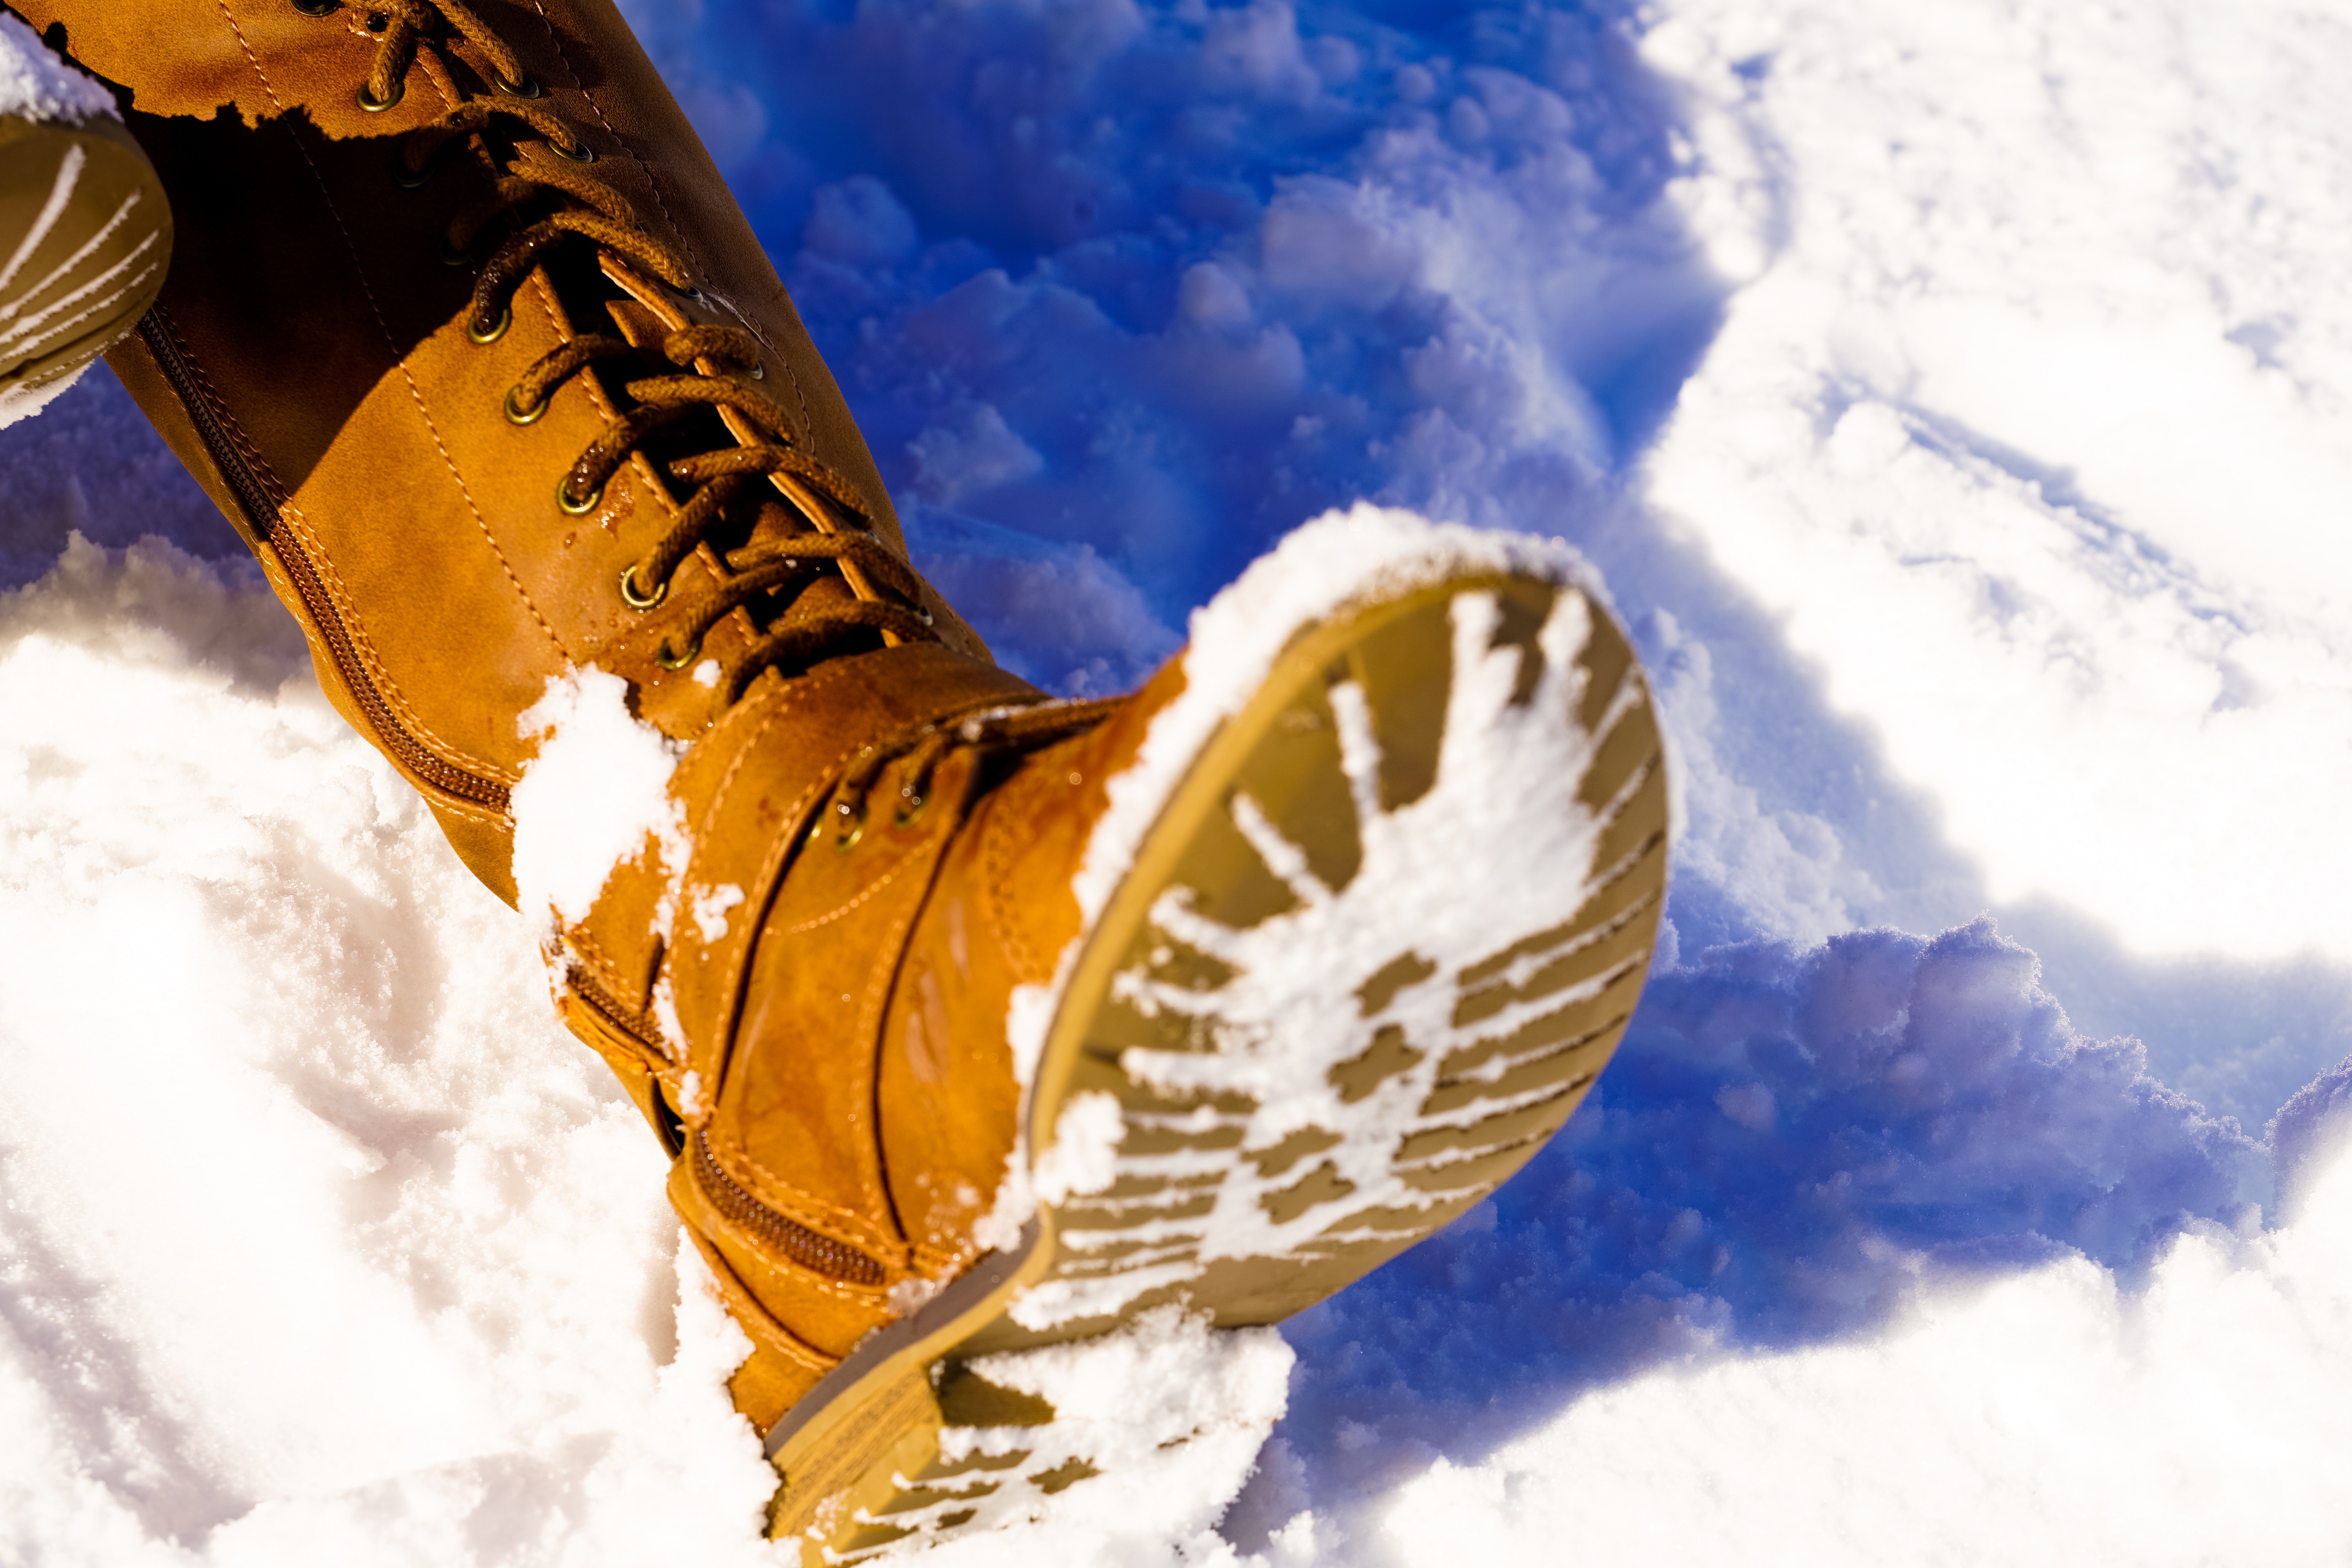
[594, 797]
[1499, 848]
[1156, 1428]
[1335, 560]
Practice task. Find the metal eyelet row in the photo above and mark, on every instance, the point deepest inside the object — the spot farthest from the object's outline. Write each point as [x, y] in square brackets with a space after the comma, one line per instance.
[846, 838]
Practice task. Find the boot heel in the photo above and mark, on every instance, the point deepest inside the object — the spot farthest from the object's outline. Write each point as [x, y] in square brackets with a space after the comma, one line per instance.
[838, 1494]
[889, 1474]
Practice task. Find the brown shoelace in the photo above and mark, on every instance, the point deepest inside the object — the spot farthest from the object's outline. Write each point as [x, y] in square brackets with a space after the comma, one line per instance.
[715, 366]
[548, 170]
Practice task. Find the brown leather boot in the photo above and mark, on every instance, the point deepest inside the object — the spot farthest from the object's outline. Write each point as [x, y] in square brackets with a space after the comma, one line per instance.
[973, 1021]
[85, 233]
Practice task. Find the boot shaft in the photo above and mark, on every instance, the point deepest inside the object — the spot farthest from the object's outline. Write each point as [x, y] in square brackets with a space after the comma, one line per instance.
[318, 361]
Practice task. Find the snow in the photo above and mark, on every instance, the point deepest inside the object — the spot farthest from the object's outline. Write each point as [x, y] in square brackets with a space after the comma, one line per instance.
[323, 1242]
[710, 909]
[1444, 878]
[1232, 641]
[2029, 420]
[1952, 392]
[594, 798]
[1333, 561]
[2042, 1417]
[38, 85]
[1170, 1412]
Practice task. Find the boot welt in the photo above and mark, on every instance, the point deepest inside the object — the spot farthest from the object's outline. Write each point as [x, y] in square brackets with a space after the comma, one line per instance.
[1441, 1076]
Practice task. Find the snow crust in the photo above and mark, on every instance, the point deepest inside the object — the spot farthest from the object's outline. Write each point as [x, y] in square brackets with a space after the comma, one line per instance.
[38, 85]
[2028, 422]
[2040, 1417]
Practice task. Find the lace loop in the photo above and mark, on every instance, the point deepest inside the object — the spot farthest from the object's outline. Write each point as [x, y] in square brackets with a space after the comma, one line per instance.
[411, 22]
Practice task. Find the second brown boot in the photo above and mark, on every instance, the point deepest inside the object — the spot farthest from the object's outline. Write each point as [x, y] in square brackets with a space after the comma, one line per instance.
[972, 1020]
[85, 234]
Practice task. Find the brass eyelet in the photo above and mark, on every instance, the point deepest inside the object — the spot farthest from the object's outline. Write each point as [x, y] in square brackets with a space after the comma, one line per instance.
[907, 813]
[529, 415]
[495, 330]
[844, 840]
[526, 88]
[576, 507]
[629, 594]
[316, 7]
[451, 256]
[758, 373]
[582, 153]
[669, 661]
[408, 179]
[369, 101]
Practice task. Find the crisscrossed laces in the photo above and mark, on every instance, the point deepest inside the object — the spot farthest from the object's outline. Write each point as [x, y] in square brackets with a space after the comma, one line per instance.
[542, 185]
[715, 368]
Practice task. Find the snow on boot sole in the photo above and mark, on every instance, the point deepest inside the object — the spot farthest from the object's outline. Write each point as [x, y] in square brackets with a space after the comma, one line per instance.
[1386, 923]
[84, 238]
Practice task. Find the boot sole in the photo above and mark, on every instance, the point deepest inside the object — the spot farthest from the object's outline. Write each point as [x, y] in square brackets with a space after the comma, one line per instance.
[85, 238]
[1234, 1106]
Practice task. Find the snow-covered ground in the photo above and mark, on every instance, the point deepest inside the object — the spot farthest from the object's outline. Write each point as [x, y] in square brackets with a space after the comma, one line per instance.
[1952, 391]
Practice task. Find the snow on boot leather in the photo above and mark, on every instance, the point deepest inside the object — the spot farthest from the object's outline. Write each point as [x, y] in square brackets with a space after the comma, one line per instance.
[85, 233]
[975, 1023]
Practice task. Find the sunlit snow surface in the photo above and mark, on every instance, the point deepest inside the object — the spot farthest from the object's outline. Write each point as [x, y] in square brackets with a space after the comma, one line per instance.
[1990, 561]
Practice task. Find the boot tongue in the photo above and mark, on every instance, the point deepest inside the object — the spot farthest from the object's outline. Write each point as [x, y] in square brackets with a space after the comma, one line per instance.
[639, 327]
